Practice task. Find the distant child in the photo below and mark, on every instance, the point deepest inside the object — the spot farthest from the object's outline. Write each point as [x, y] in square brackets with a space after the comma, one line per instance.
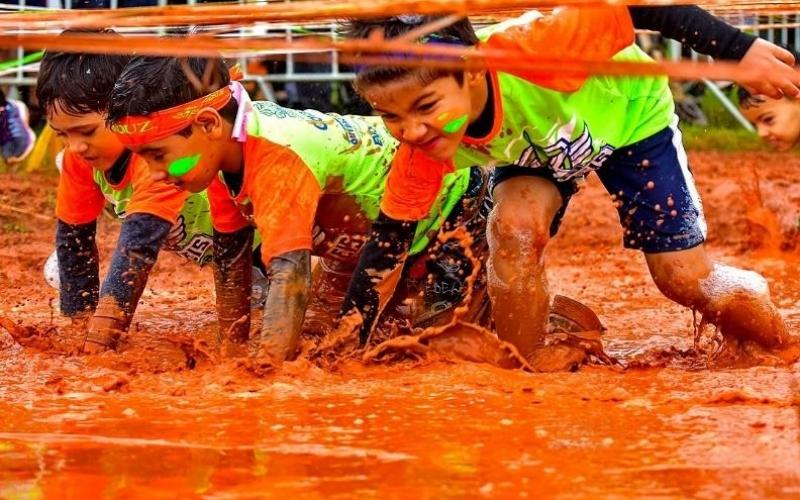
[777, 121]
[96, 169]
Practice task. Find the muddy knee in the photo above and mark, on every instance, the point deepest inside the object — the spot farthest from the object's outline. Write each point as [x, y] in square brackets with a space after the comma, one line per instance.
[517, 239]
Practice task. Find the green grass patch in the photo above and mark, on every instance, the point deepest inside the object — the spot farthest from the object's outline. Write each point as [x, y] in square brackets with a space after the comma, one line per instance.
[721, 139]
[15, 227]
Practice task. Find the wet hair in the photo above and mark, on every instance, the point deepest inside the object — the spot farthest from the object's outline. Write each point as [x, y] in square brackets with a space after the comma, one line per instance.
[748, 100]
[459, 33]
[78, 83]
[149, 84]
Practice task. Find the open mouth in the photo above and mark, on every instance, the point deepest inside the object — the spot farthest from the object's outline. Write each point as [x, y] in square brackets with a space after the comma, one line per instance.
[430, 144]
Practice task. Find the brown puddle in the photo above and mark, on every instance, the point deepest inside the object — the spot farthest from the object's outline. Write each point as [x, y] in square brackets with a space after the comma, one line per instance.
[145, 423]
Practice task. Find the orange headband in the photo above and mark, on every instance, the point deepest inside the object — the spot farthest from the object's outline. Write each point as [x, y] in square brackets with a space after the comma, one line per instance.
[140, 130]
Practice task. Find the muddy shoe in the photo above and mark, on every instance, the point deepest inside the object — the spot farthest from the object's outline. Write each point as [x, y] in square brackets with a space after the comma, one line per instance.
[51, 271]
[565, 351]
[570, 316]
[16, 136]
[557, 358]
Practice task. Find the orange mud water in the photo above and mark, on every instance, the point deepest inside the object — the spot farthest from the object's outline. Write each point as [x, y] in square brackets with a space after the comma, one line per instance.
[141, 423]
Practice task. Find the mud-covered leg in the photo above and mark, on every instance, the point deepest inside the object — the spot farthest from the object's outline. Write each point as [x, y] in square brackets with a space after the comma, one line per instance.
[518, 231]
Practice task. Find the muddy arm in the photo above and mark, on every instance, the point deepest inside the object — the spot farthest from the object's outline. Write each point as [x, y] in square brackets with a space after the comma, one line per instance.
[378, 271]
[289, 277]
[693, 26]
[140, 240]
[233, 280]
[78, 267]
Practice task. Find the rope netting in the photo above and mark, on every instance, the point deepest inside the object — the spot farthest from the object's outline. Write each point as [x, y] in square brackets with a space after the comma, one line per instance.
[280, 27]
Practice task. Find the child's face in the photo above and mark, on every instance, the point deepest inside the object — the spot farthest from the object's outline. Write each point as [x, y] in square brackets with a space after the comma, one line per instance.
[431, 117]
[198, 150]
[87, 136]
[777, 121]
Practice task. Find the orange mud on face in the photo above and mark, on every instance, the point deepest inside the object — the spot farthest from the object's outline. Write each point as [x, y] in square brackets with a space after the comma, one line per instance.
[142, 423]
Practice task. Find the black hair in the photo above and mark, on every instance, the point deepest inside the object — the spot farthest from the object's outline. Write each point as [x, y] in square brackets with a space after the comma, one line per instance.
[748, 100]
[78, 83]
[149, 84]
[460, 32]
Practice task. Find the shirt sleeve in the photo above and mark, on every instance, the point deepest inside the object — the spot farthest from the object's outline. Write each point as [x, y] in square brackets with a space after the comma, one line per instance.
[225, 215]
[693, 26]
[157, 198]
[585, 33]
[285, 195]
[413, 184]
[78, 199]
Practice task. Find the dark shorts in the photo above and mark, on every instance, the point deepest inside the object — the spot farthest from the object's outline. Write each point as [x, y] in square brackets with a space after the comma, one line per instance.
[439, 275]
[652, 186]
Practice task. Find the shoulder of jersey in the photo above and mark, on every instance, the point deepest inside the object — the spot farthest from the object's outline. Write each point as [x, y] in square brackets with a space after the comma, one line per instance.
[525, 19]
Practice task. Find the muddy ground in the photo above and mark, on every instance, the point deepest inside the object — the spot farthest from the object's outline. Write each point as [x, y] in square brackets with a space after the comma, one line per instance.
[141, 423]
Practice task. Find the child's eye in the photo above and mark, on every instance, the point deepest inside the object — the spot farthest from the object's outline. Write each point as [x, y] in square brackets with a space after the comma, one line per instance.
[88, 133]
[768, 120]
[158, 157]
[389, 117]
[426, 107]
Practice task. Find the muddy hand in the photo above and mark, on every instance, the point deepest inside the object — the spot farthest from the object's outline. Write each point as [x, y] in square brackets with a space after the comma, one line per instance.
[342, 341]
[103, 335]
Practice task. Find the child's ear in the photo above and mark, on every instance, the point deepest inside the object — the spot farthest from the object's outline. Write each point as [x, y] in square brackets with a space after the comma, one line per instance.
[474, 77]
[210, 122]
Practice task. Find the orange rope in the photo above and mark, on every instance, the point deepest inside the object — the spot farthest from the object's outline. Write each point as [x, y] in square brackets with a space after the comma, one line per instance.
[207, 14]
[375, 52]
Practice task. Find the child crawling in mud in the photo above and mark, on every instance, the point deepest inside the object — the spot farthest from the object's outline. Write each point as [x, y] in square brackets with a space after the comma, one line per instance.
[74, 90]
[544, 133]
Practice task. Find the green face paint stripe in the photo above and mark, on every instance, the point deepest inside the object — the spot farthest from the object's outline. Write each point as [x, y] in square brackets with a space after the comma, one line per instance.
[183, 166]
[455, 125]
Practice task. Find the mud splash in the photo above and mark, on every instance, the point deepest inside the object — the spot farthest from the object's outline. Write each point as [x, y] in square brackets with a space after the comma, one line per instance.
[143, 422]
